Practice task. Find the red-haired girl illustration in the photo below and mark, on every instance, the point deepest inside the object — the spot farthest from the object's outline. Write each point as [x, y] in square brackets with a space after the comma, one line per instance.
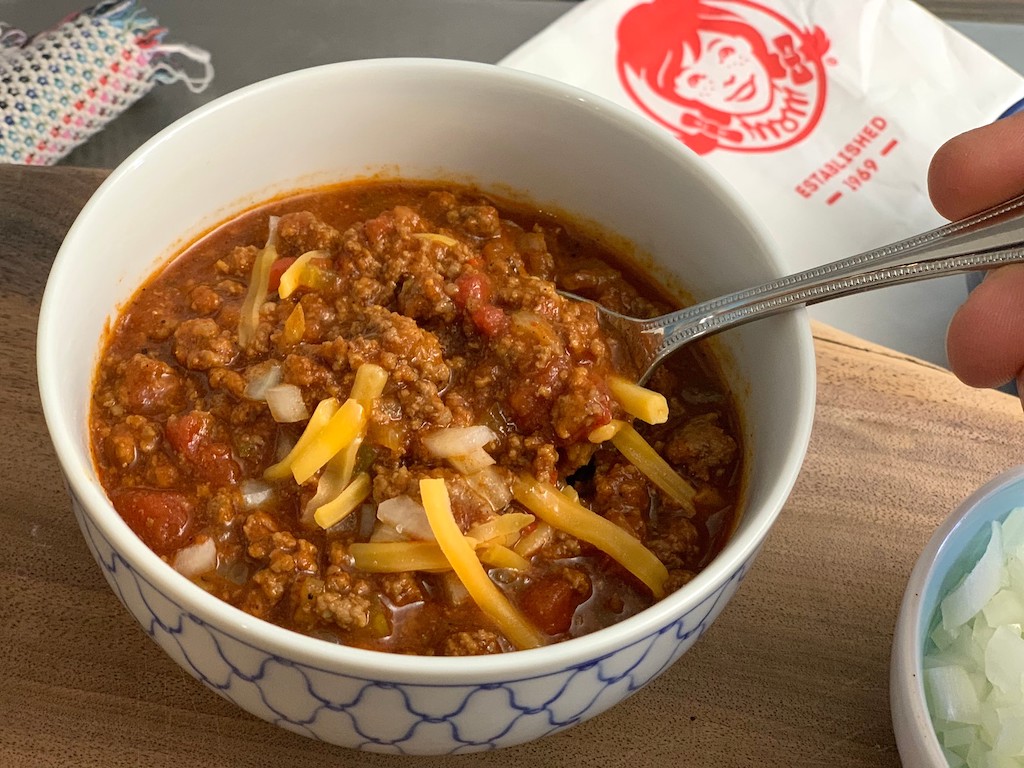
[706, 71]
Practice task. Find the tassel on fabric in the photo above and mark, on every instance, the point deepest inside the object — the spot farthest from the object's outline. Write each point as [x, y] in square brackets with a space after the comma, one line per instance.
[64, 85]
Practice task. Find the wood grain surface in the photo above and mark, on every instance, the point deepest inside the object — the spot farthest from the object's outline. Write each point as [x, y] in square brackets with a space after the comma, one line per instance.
[794, 673]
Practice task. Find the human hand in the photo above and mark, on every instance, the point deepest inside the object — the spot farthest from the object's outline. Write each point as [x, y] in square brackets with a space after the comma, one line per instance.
[971, 172]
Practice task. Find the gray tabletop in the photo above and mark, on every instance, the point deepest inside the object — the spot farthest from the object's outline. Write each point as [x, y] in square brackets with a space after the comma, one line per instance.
[250, 40]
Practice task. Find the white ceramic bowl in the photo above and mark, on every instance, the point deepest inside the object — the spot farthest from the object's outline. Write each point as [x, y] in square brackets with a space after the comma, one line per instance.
[950, 553]
[499, 129]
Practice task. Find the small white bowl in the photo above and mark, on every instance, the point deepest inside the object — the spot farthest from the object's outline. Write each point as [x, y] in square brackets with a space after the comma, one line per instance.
[502, 130]
[950, 553]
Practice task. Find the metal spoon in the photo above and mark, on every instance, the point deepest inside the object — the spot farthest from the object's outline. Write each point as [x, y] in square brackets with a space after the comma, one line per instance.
[987, 239]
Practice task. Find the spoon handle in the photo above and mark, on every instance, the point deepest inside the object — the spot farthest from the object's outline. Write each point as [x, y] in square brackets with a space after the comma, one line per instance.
[988, 239]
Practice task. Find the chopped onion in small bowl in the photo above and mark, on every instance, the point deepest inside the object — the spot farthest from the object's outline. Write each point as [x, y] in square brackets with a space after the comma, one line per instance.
[957, 677]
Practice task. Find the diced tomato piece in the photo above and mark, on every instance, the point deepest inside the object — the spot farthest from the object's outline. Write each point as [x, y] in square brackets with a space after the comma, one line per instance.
[276, 270]
[550, 603]
[379, 228]
[213, 463]
[185, 432]
[162, 519]
[190, 436]
[472, 289]
[489, 320]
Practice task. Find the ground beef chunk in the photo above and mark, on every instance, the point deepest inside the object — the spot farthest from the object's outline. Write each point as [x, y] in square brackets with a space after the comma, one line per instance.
[585, 405]
[701, 446]
[347, 611]
[316, 380]
[475, 643]
[402, 588]
[303, 231]
[228, 380]
[678, 577]
[675, 540]
[346, 601]
[150, 387]
[423, 297]
[137, 439]
[200, 344]
[621, 495]
[475, 220]
[238, 261]
[204, 300]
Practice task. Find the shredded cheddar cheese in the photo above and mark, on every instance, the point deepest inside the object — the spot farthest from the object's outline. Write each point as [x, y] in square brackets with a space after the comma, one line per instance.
[294, 326]
[295, 275]
[559, 511]
[502, 557]
[658, 471]
[398, 556]
[342, 505]
[470, 571]
[641, 402]
[500, 527]
[605, 432]
[323, 413]
[369, 384]
[434, 237]
[343, 427]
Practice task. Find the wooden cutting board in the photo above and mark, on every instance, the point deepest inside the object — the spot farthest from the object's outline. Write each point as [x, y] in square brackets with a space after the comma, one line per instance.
[794, 673]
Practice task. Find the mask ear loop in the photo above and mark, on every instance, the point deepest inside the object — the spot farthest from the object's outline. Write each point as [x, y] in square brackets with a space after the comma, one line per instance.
[165, 71]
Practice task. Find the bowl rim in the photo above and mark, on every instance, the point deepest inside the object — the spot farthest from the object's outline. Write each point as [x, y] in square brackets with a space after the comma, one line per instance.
[912, 723]
[360, 662]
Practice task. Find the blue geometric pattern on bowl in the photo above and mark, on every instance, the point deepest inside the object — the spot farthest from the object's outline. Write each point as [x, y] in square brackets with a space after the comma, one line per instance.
[388, 716]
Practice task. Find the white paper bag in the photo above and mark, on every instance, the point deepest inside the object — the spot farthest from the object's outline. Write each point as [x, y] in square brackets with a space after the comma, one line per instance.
[823, 114]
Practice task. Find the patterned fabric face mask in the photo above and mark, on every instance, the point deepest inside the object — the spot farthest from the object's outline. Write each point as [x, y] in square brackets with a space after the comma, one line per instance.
[63, 85]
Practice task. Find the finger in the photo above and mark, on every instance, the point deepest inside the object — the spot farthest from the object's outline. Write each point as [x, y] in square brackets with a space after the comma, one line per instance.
[978, 169]
[985, 340]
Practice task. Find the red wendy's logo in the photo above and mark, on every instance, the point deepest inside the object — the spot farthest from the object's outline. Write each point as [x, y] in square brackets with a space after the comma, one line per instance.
[723, 74]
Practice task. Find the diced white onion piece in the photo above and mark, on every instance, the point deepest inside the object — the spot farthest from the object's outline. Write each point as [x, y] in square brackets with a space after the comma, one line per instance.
[286, 404]
[256, 294]
[385, 533]
[1010, 741]
[959, 737]
[535, 539]
[1004, 660]
[471, 462]
[1013, 533]
[951, 695]
[974, 674]
[978, 587]
[262, 377]
[196, 559]
[458, 441]
[943, 637]
[255, 493]
[1005, 607]
[489, 484]
[406, 517]
[455, 591]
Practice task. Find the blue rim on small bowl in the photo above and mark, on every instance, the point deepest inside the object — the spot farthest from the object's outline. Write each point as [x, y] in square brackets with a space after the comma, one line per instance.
[950, 553]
